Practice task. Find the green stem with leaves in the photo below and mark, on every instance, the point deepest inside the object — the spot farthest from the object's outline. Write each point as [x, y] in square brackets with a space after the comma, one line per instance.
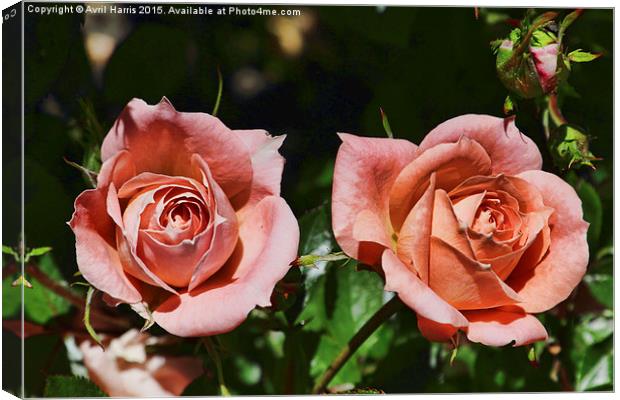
[382, 315]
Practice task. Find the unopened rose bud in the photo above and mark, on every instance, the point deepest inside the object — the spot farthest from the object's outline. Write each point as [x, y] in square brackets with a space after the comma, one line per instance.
[530, 62]
[570, 147]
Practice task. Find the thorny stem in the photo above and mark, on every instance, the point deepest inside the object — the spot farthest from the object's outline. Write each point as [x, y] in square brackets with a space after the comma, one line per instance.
[215, 356]
[74, 299]
[382, 315]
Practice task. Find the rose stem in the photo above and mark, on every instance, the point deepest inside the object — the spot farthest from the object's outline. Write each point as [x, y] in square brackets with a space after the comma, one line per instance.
[71, 297]
[218, 364]
[382, 315]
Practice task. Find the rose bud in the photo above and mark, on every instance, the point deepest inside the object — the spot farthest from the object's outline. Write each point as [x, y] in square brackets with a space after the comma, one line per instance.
[569, 147]
[530, 63]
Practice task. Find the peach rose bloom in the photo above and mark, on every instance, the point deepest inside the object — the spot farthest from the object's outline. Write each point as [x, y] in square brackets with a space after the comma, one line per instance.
[186, 223]
[467, 229]
[125, 370]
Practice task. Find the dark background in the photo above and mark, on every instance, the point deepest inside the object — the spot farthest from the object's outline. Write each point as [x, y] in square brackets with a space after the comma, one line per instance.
[422, 65]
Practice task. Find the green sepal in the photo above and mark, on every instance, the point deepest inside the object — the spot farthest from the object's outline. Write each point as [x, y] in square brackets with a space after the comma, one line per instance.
[386, 124]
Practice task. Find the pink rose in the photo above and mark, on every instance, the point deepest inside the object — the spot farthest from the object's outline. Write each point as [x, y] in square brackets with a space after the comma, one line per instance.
[125, 369]
[186, 223]
[468, 230]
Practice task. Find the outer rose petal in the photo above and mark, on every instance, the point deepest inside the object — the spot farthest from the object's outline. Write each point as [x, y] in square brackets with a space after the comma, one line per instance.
[268, 240]
[267, 166]
[434, 331]
[501, 326]
[416, 295]
[551, 281]
[161, 140]
[96, 254]
[511, 152]
[364, 173]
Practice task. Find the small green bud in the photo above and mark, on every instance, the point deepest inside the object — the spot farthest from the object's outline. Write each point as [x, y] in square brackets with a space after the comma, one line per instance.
[569, 147]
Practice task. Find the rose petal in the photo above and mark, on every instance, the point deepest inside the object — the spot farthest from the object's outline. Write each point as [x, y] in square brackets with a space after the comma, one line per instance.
[225, 232]
[511, 151]
[434, 331]
[364, 172]
[528, 198]
[269, 237]
[416, 295]
[465, 283]
[451, 162]
[96, 254]
[267, 166]
[157, 376]
[447, 227]
[466, 208]
[117, 169]
[127, 229]
[162, 140]
[414, 246]
[501, 326]
[565, 264]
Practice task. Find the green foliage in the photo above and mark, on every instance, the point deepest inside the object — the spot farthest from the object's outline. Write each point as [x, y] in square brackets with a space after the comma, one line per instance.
[71, 386]
[593, 353]
[11, 297]
[339, 300]
[592, 208]
[582, 56]
[40, 303]
[602, 288]
[10, 251]
[36, 252]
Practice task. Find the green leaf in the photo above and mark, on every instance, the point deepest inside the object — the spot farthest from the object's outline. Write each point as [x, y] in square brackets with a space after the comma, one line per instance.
[11, 297]
[595, 369]
[592, 210]
[594, 329]
[344, 301]
[315, 232]
[315, 238]
[583, 56]
[602, 288]
[71, 386]
[40, 303]
[10, 251]
[568, 20]
[37, 251]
